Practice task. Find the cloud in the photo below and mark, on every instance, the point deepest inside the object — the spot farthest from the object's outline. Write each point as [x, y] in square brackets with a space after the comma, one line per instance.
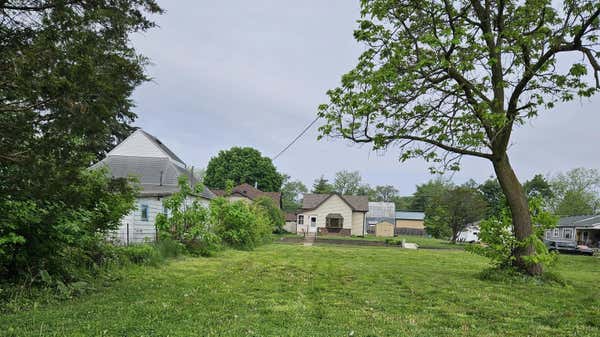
[240, 73]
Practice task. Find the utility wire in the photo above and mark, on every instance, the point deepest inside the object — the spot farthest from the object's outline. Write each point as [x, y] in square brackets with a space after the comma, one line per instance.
[297, 137]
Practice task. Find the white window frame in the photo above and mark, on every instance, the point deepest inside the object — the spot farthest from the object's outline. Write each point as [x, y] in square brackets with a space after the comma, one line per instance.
[301, 219]
[556, 233]
[570, 231]
[310, 221]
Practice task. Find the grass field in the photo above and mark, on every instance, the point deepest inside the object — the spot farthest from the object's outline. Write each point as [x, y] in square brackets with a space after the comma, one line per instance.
[422, 241]
[292, 290]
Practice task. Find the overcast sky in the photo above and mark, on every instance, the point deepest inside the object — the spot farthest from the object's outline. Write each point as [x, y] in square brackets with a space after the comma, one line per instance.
[252, 73]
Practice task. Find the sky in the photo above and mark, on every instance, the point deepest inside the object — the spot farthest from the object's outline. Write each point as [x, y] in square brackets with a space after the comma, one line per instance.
[252, 73]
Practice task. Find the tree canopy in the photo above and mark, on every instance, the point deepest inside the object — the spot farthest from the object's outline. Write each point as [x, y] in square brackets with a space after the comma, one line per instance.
[291, 194]
[67, 70]
[242, 165]
[577, 192]
[322, 186]
[443, 79]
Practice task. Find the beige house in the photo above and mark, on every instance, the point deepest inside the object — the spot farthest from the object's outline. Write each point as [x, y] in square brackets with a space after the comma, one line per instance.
[332, 214]
[248, 193]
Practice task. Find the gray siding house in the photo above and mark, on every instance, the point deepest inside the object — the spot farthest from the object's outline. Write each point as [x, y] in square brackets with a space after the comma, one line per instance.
[582, 230]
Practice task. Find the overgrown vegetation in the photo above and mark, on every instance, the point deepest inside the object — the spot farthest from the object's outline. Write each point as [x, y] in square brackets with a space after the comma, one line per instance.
[205, 228]
[67, 71]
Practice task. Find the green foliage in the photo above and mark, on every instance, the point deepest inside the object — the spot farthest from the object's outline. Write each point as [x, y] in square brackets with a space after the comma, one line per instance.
[403, 203]
[449, 213]
[322, 186]
[427, 192]
[56, 235]
[498, 241]
[387, 193]
[291, 194]
[243, 165]
[239, 224]
[187, 220]
[67, 71]
[347, 183]
[441, 80]
[275, 216]
[576, 192]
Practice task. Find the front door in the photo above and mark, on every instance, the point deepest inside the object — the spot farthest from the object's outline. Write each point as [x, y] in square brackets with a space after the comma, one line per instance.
[312, 224]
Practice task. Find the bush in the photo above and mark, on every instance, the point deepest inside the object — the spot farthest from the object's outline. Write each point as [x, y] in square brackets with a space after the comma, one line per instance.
[59, 233]
[187, 222]
[140, 254]
[240, 225]
[273, 213]
[499, 242]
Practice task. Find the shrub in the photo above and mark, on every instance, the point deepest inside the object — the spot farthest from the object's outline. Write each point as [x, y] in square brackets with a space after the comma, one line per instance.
[274, 214]
[59, 233]
[140, 254]
[187, 221]
[240, 225]
[498, 240]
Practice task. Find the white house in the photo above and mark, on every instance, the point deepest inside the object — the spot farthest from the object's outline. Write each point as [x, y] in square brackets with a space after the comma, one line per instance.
[158, 169]
[333, 214]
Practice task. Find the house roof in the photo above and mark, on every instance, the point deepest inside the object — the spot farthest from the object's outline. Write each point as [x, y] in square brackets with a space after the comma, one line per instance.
[162, 146]
[580, 221]
[405, 215]
[359, 203]
[252, 193]
[157, 176]
[290, 216]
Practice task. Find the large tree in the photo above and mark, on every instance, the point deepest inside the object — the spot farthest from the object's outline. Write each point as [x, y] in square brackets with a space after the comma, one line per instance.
[577, 192]
[242, 165]
[67, 71]
[443, 79]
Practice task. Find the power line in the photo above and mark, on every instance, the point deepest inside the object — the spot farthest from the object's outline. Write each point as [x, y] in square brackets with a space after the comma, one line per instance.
[297, 137]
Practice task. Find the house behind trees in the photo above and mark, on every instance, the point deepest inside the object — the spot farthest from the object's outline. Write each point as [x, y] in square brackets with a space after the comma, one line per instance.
[157, 169]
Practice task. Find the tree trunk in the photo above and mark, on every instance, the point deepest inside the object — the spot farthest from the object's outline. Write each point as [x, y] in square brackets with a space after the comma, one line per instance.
[519, 207]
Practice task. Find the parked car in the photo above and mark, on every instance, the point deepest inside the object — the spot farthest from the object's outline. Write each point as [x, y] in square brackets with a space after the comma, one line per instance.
[568, 247]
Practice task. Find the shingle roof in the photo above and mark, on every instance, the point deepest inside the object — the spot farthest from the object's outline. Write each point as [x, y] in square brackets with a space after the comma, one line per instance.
[157, 176]
[252, 193]
[403, 215]
[359, 203]
[580, 221]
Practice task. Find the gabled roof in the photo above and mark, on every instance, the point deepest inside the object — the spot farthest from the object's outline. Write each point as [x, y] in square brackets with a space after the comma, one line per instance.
[405, 215]
[162, 146]
[580, 221]
[248, 191]
[359, 203]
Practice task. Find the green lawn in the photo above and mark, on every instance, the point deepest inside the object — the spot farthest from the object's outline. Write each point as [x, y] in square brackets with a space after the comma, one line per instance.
[293, 290]
[422, 241]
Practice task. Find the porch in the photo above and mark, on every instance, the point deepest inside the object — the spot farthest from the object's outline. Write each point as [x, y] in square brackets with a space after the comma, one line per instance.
[588, 236]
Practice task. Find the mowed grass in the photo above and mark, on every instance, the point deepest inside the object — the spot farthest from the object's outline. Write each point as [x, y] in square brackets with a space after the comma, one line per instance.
[292, 290]
[423, 241]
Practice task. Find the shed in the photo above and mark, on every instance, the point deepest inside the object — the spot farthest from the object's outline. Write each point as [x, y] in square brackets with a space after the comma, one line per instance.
[385, 229]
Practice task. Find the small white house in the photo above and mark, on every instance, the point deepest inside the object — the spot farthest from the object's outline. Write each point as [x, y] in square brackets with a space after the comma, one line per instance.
[158, 170]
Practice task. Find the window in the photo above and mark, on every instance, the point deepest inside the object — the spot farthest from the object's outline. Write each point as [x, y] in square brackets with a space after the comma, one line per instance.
[568, 232]
[556, 233]
[334, 220]
[144, 215]
[300, 219]
[313, 221]
[165, 211]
